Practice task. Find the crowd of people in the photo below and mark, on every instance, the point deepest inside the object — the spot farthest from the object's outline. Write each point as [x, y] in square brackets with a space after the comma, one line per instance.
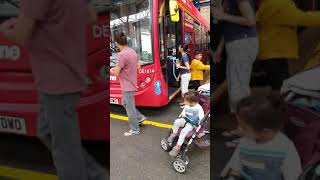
[259, 37]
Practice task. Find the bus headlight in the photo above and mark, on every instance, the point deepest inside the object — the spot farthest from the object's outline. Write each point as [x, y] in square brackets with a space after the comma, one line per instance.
[104, 72]
[148, 79]
[142, 84]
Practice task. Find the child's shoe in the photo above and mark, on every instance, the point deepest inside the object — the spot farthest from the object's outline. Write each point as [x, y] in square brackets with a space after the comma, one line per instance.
[175, 151]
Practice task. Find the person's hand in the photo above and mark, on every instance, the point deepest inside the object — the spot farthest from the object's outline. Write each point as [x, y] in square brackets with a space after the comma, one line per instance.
[178, 65]
[7, 25]
[217, 56]
[218, 13]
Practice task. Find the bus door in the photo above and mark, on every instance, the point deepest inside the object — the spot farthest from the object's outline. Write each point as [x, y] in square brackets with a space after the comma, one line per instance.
[173, 38]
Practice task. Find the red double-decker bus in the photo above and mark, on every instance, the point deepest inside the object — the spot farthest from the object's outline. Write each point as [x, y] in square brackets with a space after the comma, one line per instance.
[18, 94]
[156, 38]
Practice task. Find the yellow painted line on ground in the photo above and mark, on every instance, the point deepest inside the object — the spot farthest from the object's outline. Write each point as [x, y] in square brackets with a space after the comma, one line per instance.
[147, 122]
[9, 172]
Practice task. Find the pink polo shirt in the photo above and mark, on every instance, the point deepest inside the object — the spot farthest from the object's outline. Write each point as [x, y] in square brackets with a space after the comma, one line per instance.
[128, 62]
[58, 44]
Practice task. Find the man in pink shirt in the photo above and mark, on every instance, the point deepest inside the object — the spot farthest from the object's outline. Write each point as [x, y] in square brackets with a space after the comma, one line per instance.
[127, 68]
[54, 34]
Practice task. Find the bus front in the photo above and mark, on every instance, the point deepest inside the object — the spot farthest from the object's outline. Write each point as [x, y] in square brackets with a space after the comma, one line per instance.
[138, 19]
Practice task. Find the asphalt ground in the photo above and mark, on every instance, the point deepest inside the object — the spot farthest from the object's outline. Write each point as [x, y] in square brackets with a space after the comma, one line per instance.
[26, 158]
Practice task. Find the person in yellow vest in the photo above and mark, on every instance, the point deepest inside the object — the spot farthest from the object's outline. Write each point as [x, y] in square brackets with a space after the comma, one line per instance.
[277, 23]
[197, 68]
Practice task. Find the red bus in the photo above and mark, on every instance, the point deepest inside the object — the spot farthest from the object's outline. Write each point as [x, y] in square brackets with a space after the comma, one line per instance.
[156, 39]
[18, 94]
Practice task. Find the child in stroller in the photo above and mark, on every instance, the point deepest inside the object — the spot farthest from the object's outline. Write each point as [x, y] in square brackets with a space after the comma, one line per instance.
[190, 125]
[264, 153]
[302, 125]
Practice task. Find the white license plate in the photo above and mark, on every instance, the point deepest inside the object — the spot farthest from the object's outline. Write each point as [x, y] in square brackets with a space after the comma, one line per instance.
[114, 101]
[12, 125]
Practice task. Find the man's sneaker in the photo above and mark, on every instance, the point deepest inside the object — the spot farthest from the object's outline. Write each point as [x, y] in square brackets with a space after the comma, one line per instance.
[142, 119]
[174, 152]
[131, 133]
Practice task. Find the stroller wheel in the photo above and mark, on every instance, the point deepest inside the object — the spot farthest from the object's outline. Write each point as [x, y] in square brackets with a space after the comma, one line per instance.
[179, 165]
[165, 145]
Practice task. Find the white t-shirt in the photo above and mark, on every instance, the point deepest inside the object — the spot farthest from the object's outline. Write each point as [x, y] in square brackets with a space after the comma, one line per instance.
[193, 114]
[277, 159]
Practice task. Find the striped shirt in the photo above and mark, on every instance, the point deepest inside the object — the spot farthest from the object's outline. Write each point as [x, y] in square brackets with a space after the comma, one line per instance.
[277, 159]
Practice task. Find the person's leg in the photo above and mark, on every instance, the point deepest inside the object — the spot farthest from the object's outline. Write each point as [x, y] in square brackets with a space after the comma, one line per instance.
[177, 124]
[131, 110]
[95, 171]
[185, 79]
[259, 74]
[196, 84]
[241, 55]
[184, 86]
[191, 84]
[278, 73]
[59, 112]
[140, 116]
[184, 132]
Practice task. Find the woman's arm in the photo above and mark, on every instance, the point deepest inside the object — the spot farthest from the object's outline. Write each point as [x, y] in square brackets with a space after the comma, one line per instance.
[187, 66]
[217, 55]
[247, 17]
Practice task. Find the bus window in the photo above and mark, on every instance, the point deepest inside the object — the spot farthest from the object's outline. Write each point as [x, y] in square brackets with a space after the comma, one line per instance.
[8, 9]
[197, 33]
[132, 18]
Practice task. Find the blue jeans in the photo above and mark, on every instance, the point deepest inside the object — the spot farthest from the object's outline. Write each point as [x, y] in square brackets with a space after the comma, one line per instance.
[58, 129]
[133, 114]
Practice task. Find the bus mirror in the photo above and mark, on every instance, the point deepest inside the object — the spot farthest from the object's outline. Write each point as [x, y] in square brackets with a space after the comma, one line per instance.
[174, 10]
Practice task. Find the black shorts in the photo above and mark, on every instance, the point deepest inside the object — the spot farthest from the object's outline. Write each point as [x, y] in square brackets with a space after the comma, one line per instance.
[271, 72]
[195, 84]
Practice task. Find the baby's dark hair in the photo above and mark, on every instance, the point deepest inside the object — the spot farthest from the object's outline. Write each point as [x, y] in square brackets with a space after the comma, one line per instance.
[262, 112]
[192, 96]
[121, 39]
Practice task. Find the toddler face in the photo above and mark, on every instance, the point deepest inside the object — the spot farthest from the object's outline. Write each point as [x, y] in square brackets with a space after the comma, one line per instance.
[199, 56]
[257, 135]
[247, 130]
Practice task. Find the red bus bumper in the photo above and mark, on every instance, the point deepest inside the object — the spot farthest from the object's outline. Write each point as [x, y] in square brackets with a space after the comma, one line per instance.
[21, 118]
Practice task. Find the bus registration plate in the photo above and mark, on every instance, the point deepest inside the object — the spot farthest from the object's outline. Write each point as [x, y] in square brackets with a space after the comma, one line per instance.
[12, 125]
[114, 101]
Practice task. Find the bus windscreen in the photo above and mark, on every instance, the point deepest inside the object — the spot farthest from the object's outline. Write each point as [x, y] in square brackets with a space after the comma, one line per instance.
[134, 19]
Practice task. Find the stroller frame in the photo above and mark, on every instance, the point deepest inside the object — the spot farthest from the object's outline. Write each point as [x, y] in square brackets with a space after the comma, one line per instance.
[181, 162]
